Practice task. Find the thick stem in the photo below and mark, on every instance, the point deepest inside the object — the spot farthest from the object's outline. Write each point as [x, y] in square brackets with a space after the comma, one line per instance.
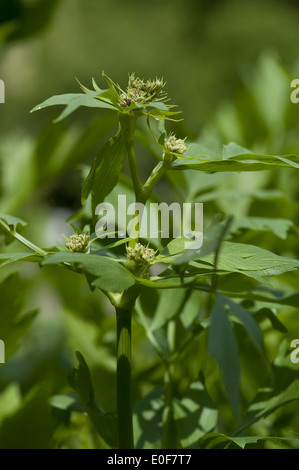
[124, 403]
[169, 439]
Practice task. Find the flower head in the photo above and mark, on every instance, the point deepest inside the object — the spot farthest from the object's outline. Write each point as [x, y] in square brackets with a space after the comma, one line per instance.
[141, 257]
[78, 243]
[175, 145]
[139, 91]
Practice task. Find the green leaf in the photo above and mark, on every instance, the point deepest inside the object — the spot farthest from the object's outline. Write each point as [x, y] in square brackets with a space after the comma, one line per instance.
[179, 255]
[14, 223]
[73, 101]
[31, 425]
[248, 321]
[105, 423]
[194, 414]
[275, 322]
[10, 401]
[110, 275]
[10, 223]
[252, 261]
[216, 440]
[68, 402]
[233, 158]
[168, 307]
[264, 407]
[13, 323]
[147, 419]
[8, 258]
[279, 227]
[222, 345]
[105, 170]
[268, 297]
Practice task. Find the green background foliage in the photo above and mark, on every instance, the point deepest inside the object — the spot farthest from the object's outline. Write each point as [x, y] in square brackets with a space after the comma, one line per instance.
[228, 66]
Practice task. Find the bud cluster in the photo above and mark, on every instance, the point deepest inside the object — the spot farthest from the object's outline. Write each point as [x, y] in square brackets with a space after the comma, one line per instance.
[139, 91]
[141, 257]
[175, 145]
[78, 243]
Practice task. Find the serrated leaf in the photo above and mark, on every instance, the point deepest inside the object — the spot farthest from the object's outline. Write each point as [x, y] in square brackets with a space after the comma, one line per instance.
[109, 274]
[73, 101]
[252, 261]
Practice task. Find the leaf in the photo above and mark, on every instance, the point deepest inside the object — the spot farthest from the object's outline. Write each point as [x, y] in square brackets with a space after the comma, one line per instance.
[13, 323]
[147, 419]
[8, 258]
[255, 193]
[248, 321]
[261, 409]
[179, 255]
[194, 414]
[105, 170]
[110, 275]
[10, 223]
[31, 425]
[275, 322]
[105, 423]
[268, 297]
[73, 101]
[233, 158]
[14, 223]
[69, 402]
[252, 261]
[10, 401]
[169, 305]
[216, 440]
[279, 227]
[222, 345]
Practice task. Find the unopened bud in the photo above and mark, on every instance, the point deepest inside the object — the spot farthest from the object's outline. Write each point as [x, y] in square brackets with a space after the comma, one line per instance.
[78, 243]
[175, 145]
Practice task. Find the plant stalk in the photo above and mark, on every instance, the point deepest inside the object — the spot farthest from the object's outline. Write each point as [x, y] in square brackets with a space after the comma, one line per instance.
[124, 402]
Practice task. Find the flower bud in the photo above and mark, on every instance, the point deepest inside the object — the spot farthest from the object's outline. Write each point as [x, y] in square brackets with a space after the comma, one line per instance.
[78, 243]
[141, 257]
[175, 145]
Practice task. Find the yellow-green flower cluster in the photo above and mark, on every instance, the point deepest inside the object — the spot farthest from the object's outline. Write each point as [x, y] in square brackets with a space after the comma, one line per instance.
[78, 243]
[175, 145]
[141, 255]
[139, 91]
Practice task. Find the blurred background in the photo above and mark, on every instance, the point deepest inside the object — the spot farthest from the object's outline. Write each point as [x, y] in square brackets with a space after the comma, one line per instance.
[228, 66]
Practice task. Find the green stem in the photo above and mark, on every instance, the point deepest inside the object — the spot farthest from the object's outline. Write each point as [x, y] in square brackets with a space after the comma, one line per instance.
[169, 428]
[124, 404]
[128, 125]
[155, 176]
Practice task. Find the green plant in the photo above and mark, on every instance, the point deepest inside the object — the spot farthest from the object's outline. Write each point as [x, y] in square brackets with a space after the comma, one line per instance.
[219, 291]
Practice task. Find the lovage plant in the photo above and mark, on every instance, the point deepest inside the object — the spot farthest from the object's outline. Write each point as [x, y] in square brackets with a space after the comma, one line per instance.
[211, 290]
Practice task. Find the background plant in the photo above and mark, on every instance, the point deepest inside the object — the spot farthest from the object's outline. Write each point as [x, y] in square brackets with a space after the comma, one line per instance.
[243, 99]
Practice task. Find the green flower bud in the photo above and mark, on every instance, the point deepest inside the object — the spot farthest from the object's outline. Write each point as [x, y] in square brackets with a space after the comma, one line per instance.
[175, 145]
[141, 257]
[78, 243]
[139, 91]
